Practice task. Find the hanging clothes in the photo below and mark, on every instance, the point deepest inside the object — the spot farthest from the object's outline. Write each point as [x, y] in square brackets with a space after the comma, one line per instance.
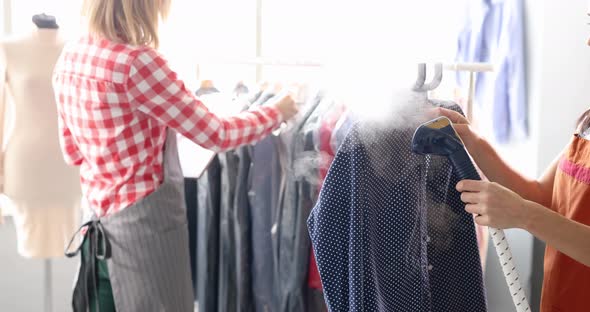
[191, 199]
[290, 239]
[209, 192]
[236, 256]
[322, 140]
[390, 232]
[191, 185]
[242, 214]
[240, 239]
[234, 288]
[227, 288]
[494, 32]
[256, 257]
[264, 182]
[323, 146]
[264, 179]
[341, 129]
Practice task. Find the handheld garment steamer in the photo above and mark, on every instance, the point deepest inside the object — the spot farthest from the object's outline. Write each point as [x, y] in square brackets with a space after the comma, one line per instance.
[438, 137]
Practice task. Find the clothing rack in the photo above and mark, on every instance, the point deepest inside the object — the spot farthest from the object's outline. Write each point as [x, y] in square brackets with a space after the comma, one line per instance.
[263, 61]
[472, 68]
[224, 266]
[259, 62]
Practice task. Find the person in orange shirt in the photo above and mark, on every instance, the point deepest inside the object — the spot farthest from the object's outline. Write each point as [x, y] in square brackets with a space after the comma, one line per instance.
[554, 208]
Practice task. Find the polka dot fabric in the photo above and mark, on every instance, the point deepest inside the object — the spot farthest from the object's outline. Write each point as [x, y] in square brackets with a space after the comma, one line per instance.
[390, 232]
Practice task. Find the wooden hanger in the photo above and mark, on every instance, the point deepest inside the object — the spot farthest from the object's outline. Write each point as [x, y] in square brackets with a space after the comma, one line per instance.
[207, 85]
[263, 85]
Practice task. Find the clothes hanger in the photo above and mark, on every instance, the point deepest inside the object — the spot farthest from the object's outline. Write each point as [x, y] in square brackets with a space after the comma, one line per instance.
[437, 79]
[259, 88]
[277, 87]
[267, 91]
[241, 88]
[422, 90]
[206, 87]
[420, 86]
[264, 85]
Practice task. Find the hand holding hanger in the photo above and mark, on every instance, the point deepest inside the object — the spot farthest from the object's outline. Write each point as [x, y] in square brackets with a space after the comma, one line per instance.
[287, 106]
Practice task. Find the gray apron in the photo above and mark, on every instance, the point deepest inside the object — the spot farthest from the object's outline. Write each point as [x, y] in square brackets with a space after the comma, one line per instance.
[146, 247]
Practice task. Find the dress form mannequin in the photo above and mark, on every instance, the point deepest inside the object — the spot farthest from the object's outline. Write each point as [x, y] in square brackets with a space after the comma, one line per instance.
[44, 190]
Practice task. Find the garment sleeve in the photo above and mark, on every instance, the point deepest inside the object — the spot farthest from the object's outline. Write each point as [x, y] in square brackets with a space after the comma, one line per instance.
[334, 226]
[156, 91]
[71, 154]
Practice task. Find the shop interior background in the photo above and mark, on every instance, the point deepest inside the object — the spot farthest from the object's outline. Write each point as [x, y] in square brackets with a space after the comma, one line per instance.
[357, 37]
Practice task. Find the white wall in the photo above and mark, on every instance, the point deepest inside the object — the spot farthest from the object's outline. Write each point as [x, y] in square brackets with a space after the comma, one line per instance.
[564, 76]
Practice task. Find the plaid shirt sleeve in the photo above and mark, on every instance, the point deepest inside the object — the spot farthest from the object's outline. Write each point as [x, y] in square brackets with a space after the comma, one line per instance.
[71, 154]
[157, 91]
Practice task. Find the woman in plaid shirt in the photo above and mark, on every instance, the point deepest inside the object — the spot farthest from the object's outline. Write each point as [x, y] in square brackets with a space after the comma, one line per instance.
[117, 99]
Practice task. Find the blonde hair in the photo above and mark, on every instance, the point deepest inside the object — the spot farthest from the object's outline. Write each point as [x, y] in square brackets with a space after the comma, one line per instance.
[132, 22]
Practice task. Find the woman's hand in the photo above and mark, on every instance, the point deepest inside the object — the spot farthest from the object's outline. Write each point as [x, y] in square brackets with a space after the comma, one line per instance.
[494, 205]
[461, 125]
[287, 106]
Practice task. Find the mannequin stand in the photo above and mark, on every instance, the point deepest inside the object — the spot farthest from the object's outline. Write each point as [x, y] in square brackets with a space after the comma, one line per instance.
[48, 286]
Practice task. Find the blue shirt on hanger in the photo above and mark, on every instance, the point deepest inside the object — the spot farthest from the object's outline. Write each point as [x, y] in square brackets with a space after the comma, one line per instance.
[494, 32]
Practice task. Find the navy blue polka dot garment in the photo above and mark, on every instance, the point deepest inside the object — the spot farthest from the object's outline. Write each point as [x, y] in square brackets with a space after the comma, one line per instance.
[390, 232]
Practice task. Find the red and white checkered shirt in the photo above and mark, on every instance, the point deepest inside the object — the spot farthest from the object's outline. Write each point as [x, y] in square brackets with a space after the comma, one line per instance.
[115, 103]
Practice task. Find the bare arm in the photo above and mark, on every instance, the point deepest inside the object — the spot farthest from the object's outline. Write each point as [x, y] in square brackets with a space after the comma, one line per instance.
[570, 237]
[512, 200]
[497, 206]
[497, 170]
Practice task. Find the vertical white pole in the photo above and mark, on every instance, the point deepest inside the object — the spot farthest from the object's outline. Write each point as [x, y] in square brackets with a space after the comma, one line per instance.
[259, 4]
[7, 16]
[471, 95]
